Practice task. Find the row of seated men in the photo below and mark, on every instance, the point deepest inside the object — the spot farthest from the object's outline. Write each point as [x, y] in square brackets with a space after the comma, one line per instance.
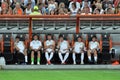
[63, 49]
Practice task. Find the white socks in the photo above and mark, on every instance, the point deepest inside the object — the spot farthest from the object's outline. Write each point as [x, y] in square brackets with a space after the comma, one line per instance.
[49, 57]
[65, 57]
[82, 58]
[26, 59]
[95, 58]
[74, 58]
[89, 57]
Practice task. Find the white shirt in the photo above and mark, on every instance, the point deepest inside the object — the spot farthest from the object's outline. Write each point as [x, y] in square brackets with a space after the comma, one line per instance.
[35, 44]
[93, 45]
[63, 45]
[51, 7]
[28, 11]
[74, 12]
[77, 5]
[79, 46]
[20, 45]
[48, 43]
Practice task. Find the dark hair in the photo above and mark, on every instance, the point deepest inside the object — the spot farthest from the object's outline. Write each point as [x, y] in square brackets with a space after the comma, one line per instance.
[94, 37]
[17, 37]
[60, 36]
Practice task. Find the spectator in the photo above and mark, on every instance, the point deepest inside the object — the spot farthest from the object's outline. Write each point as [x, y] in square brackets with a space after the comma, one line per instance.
[28, 10]
[110, 6]
[86, 7]
[52, 12]
[96, 11]
[10, 12]
[36, 11]
[99, 6]
[109, 11]
[66, 2]
[86, 10]
[61, 12]
[84, 3]
[94, 3]
[74, 9]
[18, 10]
[77, 4]
[29, 1]
[62, 5]
[52, 5]
[105, 4]
[42, 8]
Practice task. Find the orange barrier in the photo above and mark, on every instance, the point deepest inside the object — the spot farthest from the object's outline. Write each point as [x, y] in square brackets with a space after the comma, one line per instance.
[115, 17]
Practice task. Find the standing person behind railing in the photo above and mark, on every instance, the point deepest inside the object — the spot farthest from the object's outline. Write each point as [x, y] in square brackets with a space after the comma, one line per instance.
[74, 9]
[61, 11]
[77, 4]
[86, 5]
[17, 10]
[36, 11]
[4, 7]
[99, 6]
[96, 11]
[42, 8]
[28, 9]
[105, 3]
[52, 5]
[31, 1]
[110, 5]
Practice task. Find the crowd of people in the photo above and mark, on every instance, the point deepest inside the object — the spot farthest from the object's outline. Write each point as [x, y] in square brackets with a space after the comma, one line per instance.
[59, 7]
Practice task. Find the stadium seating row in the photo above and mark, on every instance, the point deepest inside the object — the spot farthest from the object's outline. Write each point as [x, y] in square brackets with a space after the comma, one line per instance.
[7, 47]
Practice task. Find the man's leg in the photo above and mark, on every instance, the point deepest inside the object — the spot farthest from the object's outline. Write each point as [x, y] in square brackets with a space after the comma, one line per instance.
[74, 58]
[61, 57]
[38, 57]
[47, 56]
[95, 55]
[32, 57]
[82, 58]
[51, 55]
[66, 56]
[89, 55]
[26, 57]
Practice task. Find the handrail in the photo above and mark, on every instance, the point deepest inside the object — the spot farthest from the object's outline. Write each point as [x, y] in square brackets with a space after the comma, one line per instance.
[77, 19]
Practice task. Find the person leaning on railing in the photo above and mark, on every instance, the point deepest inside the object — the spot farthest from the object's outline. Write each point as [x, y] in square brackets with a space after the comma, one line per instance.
[36, 11]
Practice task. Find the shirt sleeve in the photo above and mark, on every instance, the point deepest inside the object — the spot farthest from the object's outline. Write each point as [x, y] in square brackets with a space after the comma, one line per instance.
[31, 44]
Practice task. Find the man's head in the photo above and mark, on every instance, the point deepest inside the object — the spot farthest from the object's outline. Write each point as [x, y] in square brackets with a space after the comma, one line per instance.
[17, 38]
[79, 39]
[94, 38]
[35, 37]
[61, 37]
[36, 8]
[49, 36]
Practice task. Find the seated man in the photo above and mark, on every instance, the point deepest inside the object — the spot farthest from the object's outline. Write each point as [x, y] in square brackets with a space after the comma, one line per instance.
[20, 47]
[78, 48]
[49, 46]
[35, 46]
[93, 47]
[63, 46]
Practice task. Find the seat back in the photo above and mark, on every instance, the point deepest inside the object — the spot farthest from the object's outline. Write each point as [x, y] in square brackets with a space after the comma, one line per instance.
[7, 42]
[105, 43]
